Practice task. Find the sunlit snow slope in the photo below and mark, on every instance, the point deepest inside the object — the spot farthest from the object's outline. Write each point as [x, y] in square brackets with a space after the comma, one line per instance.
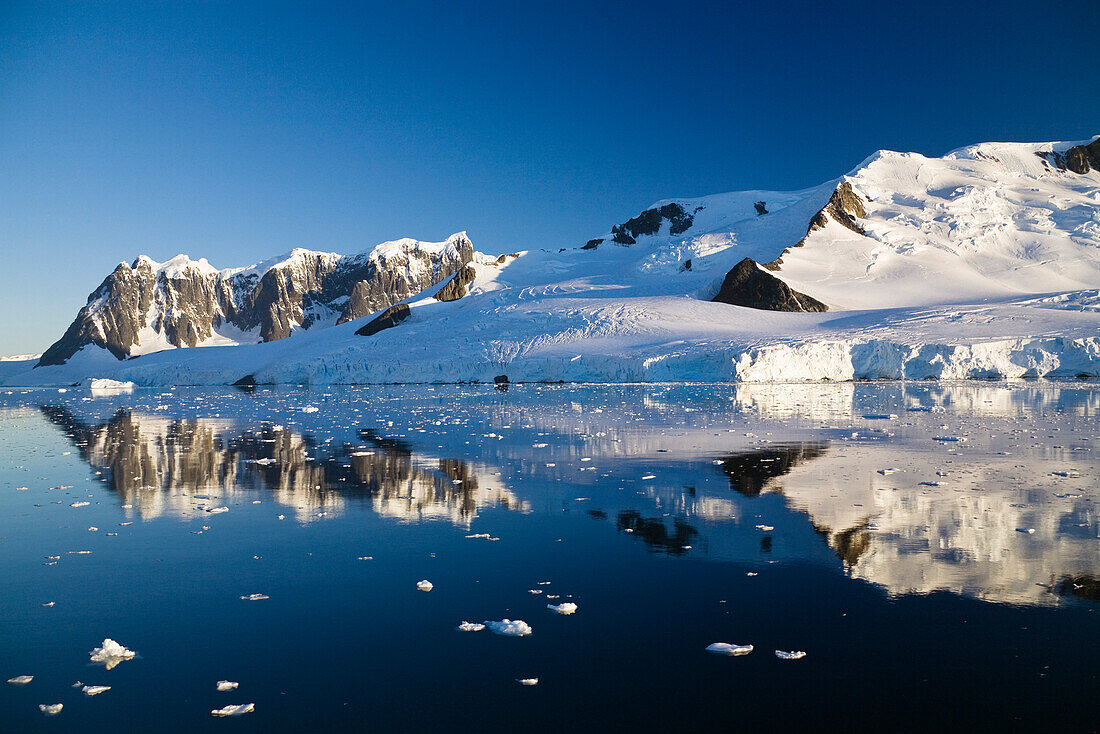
[983, 263]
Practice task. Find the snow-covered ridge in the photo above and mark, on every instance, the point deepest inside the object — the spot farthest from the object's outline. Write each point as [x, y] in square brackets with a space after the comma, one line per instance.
[983, 263]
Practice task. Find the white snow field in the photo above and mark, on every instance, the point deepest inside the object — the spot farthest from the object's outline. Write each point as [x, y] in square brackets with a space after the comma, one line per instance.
[984, 263]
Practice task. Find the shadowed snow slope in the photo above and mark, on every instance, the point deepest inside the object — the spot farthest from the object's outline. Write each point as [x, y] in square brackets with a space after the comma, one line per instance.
[983, 263]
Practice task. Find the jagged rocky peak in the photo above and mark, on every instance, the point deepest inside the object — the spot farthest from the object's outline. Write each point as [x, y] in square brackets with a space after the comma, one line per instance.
[1079, 159]
[149, 306]
[649, 223]
[748, 285]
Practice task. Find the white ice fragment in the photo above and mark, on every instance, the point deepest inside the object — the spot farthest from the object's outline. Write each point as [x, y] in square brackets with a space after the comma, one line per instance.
[424, 585]
[792, 655]
[727, 648]
[21, 680]
[766, 528]
[110, 653]
[510, 627]
[94, 690]
[470, 627]
[237, 710]
[566, 607]
[255, 597]
[887, 472]
[80, 504]
[218, 510]
[51, 709]
[647, 477]
[527, 681]
[93, 529]
[534, 591]
[227, 685]
[310, 409]
[1029, 531]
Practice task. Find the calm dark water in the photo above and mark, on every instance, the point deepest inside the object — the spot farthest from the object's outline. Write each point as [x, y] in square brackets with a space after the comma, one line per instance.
[934, 549]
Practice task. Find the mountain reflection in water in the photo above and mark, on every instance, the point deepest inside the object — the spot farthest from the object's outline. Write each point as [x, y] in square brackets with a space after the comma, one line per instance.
[159, 465]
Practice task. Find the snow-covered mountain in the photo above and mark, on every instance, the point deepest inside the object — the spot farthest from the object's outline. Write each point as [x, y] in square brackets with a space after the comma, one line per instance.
[149, 306]
[985, 262]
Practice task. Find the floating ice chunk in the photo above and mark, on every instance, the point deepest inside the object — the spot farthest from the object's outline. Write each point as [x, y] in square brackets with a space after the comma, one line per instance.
[238, 710]
[510, 627]
[227, 685]
[310, 409]
[534, 591]
[470, 627]
[110, 653]
[366, 558]
[424, 585]
[94, 690]
[527, 681]
[80, 504]
[51, 709]
[1029, 531]
[887, 472]
[21, 680]
[766, 528]
[792, 655]
[104, 384]
[751, 573]
[566, 607]
[647, 477]
[49, 604]
[218, 510]
[255, 597]
[93, 529]
[727, 648]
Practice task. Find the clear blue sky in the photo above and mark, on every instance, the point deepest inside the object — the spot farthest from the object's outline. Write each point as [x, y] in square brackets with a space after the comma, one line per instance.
[235, 130]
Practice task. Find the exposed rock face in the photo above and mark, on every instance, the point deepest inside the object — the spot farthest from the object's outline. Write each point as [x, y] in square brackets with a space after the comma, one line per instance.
[747, 285]
[844, 207]
[388, 319]
[183, 303]
[649, 223]
[761, 208]
[456, 286]
[1079, 159]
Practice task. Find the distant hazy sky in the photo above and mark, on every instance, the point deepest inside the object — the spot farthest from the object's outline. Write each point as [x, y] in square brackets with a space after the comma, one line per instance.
[235, 131]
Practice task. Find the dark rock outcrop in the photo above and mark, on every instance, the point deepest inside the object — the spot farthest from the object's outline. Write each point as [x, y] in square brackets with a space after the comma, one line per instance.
[1079, 159]
[761, 208]
[388, 319]
[844, 207]
[649, 223]
[184, 302]
[747, 285]
[456, 286]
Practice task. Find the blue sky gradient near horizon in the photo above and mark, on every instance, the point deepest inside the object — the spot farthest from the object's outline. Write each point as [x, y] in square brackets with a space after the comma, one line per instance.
[236, 131]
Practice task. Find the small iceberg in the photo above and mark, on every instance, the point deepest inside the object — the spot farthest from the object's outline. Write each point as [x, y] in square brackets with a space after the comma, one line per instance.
[94, 690]
[566, 607]
[727, 648]
[424, 585]
[510, 627]
[21, 680]
[527, 681]
[105, 385]
[464, 627]
[238, 710]
[51, 709]
[218, 510]
[227, 685]
[255, 597]
[110, 653]
[792, 655]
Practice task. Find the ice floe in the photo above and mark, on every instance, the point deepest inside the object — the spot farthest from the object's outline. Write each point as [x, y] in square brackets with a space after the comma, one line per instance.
[21, 680]
[255, 597]
[94, 690]
[510, 627]
[527, 681]
[424, 585]
[792, 655]
[227, 685]
[566, 607]
[110, 653]
[51, 709]
[470, 627]
[728, 648]
[235, 710]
